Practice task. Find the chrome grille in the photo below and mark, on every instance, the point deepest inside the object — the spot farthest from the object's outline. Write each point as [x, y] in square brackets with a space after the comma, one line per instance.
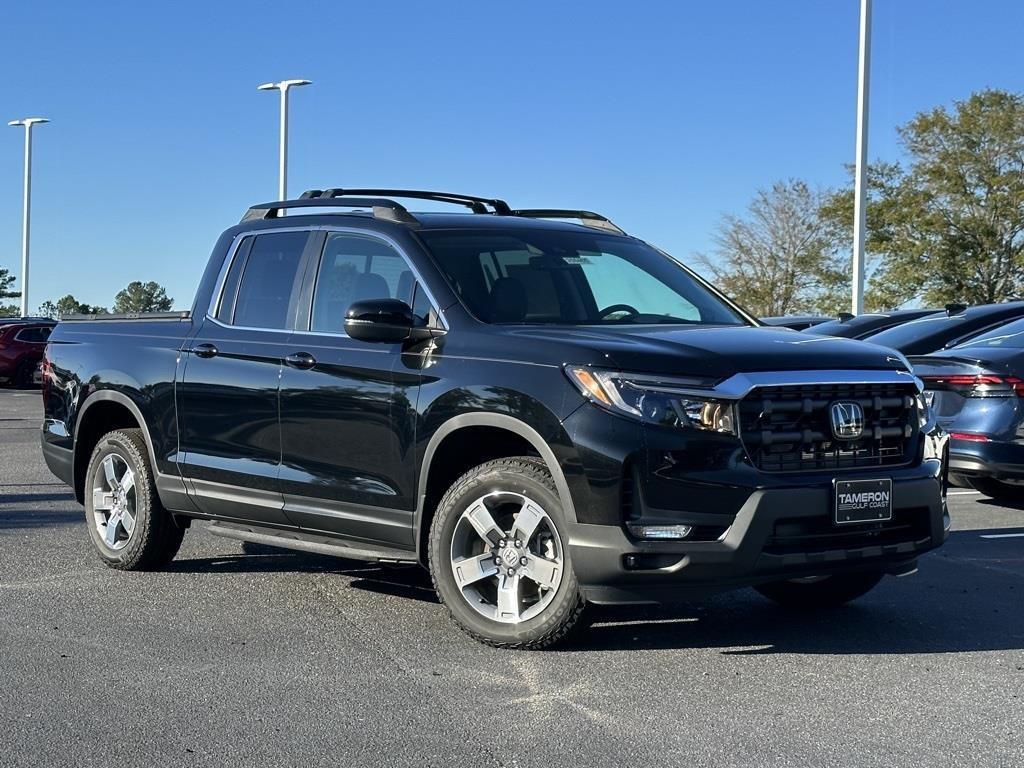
[788, 428]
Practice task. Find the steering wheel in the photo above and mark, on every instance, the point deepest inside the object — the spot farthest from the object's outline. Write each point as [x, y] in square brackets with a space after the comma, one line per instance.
[618, 308]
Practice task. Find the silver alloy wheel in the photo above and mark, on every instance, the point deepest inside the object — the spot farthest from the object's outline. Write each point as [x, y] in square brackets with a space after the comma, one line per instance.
[114, 501]
[507, 557]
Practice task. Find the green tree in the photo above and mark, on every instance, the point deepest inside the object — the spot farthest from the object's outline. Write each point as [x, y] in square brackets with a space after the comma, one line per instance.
[8, 310]
[950, 225]
[781, 256]
[69, 305]
[142, 297]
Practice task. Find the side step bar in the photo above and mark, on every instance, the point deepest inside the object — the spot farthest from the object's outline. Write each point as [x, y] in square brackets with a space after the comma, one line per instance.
[311, 542]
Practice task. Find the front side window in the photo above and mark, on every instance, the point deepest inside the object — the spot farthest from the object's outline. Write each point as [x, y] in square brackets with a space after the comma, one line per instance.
[270, 280]
[572, 278]
[355, 268]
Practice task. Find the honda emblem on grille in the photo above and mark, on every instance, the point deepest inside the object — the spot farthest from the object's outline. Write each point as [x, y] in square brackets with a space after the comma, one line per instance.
[847, 420]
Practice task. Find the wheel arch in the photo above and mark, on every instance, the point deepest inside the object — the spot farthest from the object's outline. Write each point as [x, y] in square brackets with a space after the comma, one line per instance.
[102, 412]
[517, 432]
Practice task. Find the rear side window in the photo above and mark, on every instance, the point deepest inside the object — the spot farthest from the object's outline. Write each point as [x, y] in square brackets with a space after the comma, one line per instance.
[354, 268]
[269, 286]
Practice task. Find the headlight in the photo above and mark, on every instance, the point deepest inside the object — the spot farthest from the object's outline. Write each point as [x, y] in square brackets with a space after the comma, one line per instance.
[654, 401]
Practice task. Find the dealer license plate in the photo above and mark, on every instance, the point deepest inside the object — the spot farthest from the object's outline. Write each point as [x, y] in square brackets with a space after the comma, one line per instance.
[863, 501]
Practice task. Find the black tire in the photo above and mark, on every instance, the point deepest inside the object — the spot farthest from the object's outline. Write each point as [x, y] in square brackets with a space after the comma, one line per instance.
[959, 481]
[997, 489]
[155, 537]
[23, 375]
[565, 611]
[828, 592]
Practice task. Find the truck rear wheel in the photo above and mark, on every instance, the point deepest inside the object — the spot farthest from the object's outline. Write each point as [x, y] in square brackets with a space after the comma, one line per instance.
[127, 524]
[820, 592]
[23, 375]
[499, 557]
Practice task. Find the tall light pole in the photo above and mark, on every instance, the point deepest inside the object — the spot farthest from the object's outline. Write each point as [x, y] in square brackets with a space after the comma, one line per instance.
[27, 122]
[284, 86]
[860, 173]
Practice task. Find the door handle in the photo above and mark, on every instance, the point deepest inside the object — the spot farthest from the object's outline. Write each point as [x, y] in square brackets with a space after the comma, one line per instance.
[204, 350]
[301, 360]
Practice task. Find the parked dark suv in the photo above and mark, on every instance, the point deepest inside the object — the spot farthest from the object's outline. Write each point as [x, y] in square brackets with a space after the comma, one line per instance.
[541, 409]
[22, 341]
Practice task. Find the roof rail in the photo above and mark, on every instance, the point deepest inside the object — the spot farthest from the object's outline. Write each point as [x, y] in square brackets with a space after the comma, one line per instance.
[588, 218]
[382, 208]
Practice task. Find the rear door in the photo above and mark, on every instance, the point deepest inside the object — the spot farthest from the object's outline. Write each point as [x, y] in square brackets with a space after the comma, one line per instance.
[230, 447]
[347, 417]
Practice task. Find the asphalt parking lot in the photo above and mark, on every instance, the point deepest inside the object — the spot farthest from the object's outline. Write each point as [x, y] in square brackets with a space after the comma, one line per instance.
[245, 656]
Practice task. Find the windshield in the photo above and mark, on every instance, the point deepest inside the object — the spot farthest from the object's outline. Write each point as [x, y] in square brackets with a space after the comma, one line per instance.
[558, 277]
[1009, 335]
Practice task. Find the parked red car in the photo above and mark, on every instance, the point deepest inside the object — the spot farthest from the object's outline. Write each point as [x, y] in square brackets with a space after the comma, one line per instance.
[22, 341]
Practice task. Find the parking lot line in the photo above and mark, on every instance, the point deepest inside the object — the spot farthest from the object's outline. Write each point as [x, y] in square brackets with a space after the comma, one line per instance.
[962, 493]
[1002, 535]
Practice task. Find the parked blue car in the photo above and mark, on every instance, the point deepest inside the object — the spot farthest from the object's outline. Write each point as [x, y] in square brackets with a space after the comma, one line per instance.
[976, 391]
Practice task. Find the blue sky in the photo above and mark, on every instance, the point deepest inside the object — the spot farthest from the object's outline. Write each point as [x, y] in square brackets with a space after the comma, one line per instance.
[663, 116]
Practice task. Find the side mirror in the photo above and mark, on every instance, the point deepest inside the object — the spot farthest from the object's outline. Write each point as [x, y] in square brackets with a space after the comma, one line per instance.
[385, 321]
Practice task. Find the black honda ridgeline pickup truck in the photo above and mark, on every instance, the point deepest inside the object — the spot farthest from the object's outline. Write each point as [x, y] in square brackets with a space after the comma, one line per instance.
[542, 410]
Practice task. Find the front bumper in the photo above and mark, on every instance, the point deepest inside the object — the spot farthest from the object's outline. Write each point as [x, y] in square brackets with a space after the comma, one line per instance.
[750, 527]
[777, 534]
[997, 459]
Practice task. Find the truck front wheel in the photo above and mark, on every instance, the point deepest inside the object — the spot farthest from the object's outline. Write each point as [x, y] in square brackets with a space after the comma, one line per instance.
[127, 524]
[499, 557]
[822, 591]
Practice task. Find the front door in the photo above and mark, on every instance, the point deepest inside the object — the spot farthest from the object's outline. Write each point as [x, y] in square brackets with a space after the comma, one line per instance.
[228, 396]
[346, 426]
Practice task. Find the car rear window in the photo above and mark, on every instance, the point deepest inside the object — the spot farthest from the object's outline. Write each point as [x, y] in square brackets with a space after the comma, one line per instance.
[916, 329]
[1009, 335]
[33, 335]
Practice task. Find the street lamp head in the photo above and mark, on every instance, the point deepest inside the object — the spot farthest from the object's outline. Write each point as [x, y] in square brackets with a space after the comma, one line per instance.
[283, 85]
[28, 121]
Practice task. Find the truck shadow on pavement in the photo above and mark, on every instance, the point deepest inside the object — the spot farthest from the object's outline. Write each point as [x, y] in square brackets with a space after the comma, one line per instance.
[966, 597]
[408, 582]
[11, 519]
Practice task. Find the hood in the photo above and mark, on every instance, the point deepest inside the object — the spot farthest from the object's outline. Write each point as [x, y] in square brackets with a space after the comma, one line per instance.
[712, 352]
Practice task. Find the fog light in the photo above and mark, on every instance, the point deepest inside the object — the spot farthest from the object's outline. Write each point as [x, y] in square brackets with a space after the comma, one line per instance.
[659, 531]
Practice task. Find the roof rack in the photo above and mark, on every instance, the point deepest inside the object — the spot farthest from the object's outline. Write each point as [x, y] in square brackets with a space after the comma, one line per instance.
[378, 200]
[588, 218]
[474, 203]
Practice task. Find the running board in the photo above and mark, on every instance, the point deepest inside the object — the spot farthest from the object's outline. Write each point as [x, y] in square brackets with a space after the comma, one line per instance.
[311, 542]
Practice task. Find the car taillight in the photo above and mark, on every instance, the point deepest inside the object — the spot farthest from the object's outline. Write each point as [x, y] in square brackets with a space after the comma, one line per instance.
[970, 437]
[978, 385]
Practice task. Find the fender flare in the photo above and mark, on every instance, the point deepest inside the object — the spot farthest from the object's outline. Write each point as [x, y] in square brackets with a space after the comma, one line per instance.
[499, 421]
[110, 395]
